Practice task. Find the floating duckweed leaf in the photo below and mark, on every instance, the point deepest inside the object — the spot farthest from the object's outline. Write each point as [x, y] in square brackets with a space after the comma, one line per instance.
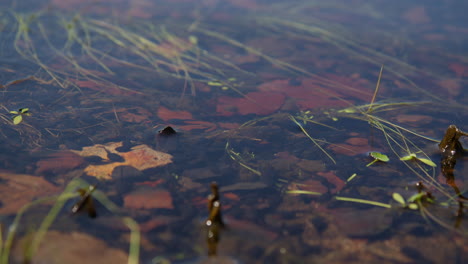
[413, 206]
[427, 162]
[350, 110]
[408, 157]
[377, 157]
[423, 160]
[416, 197]
[397, 197]
[17, 119]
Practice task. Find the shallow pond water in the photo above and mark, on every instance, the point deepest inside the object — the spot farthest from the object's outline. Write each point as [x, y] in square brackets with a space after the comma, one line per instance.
[279, 103]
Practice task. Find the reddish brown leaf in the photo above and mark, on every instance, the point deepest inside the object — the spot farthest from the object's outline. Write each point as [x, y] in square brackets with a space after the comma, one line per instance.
[203, 125]
[251, 228]
[452, 86]
[414, 120]
[349, 150]
[16, 190]
[354, 146]
[149, 199]
[59, 162]
[70, 248]
[231, 196]
[417, 15]
[461, 70]
[287, 156]
[312, 93]
[166, 114]
[357, 141]
[133, 115]
[155, 222]
[229, 125]
[309, 185]
[151, 183]
[260, 103]
[333, 179]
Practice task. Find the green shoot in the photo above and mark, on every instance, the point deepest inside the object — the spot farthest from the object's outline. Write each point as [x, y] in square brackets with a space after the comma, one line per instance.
[18, 115]
[312, 139]
[236, 156]
[351, 177]
[355, 200]
[397, 197]
[377, 157]
[411, 203]
[134, 251]
[376, 90]
[413, 156]
[303, 192]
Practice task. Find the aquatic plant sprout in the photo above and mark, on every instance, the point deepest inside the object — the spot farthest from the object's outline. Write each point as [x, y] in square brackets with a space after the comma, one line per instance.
[362, 201]
[18, 115]
[377, 157]
[413, 156]
[411, 205]
[311, 138]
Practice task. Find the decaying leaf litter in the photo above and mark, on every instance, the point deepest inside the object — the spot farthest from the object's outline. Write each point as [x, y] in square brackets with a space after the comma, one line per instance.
[253, 166]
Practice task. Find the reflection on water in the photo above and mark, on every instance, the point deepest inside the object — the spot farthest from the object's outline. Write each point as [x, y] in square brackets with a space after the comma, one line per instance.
[278, 103]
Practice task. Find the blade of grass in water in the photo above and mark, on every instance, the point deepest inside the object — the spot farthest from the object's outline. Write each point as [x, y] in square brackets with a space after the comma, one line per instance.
[356, 200]
[134, 251]
[303, 192]
[313, 140]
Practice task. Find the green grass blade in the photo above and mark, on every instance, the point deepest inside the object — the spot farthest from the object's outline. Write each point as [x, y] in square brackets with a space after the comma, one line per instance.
[313, 140]
[303, 192]
[134, 251]
[362, 201]
[397, 197]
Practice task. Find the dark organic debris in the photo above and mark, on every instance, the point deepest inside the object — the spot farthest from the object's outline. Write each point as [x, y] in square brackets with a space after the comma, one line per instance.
[86, 201]
[214, 207]
[167, 131]
[450, 144]
[214, 222]
[451, 149]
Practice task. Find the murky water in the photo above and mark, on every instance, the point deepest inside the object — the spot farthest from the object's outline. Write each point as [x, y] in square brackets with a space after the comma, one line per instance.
[285, 105]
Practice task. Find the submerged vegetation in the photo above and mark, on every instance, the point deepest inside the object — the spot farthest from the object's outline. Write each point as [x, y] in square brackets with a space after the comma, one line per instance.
[279, 117]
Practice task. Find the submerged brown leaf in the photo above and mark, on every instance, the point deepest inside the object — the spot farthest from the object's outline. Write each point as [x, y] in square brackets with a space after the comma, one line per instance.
[140, 157]
[71, 248]
[149, 199]
[17, 190]
[252, 103]
[59, 162]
